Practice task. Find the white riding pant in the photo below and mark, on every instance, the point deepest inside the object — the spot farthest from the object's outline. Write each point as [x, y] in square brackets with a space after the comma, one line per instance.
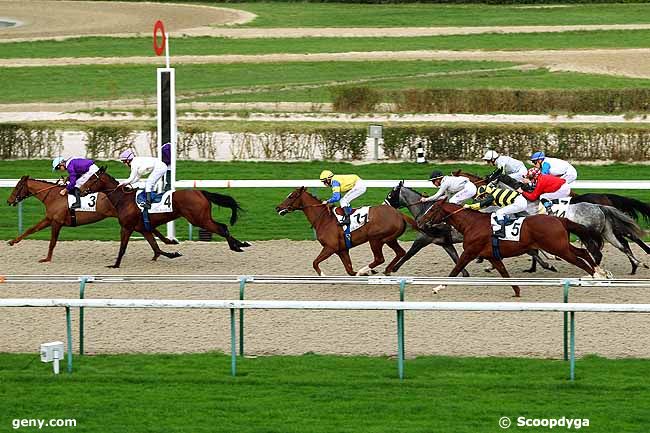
[466, 193]
[519, 205]
[357, 190]
[519, 175]
[570, 175]
[564, 191]
[86, 176]
[154, 177]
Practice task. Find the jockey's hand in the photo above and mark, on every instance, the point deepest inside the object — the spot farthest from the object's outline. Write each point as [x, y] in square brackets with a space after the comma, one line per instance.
[519, 190]
[423, 199]
[63, 192]
[324, 202]
[474, 206]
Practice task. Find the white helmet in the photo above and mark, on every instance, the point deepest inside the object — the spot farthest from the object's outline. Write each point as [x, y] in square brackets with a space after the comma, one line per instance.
[490, 155]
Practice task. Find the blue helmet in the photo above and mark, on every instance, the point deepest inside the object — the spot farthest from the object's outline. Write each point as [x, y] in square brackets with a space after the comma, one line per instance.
[537, 156]
[56, 161]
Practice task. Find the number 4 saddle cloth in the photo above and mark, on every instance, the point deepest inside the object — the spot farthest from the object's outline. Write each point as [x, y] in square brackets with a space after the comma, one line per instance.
[358, 218]
[513, 228]
[160, 203]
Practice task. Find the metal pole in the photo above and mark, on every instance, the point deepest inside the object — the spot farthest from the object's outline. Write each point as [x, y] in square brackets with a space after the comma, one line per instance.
[402, 285]
[376, 149]
[573, 347]
[82, 288]
[189, 231]
[233, 344]
[566, 321]
[242, 284]
[400, 343]
[20, 218]
[68, 322]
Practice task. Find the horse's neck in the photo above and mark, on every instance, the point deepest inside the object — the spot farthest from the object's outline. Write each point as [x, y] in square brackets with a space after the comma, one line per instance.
[411, 200]
[39, 188]
[313, 213]
[462, 220]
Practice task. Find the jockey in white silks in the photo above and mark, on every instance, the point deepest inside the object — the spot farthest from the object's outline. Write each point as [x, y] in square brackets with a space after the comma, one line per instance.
[509, 166]
[554, 166]
[140, 167]
[457, 188]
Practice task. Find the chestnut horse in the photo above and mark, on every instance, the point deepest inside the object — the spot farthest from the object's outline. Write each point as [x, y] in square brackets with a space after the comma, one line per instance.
[538, 232]
[385, 224]
[57, 213]
[193, 205]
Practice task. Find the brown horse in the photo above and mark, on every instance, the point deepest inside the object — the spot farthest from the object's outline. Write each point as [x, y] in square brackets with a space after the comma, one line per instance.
[385, 224]
[57, 213]
[542, 232]
[193, 205]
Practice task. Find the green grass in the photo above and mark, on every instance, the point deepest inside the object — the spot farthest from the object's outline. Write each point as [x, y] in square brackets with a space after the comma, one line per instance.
[125, 47]
[195, 393]
[81, 83]
[260, 222]
[298, 14]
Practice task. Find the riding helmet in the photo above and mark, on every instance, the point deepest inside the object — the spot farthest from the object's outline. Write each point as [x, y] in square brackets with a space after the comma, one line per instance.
[435, 174]
[537, 156]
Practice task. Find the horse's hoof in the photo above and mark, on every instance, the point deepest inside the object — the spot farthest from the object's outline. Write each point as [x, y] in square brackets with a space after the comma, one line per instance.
[45, 260]
[175, 255]
[322, 274]
[154, 258]
[645, 266]
[528, 271]
[374, 271]
[245, 244]
[11, 243]
[113, 267]
[552, 269]
[174, 242]
[488, 269]
[438, 288]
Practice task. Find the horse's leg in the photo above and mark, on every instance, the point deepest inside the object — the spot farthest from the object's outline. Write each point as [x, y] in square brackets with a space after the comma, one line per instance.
[54, 237]
[163, 238]
[463, 261]
[221, 229]
[38, 227]
[450, 249]
[622, 245]
[376, 247]
[125, 234]
[537, 258]
[642, 244]
[577, 257]
[399, 254]
[344, 255]
[628, 250]
[156, 249]
[501, 268]
[324, 254]
[420, 242]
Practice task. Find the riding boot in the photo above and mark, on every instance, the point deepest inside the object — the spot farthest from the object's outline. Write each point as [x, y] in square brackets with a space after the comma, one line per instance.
[77, 196]
[347, 210]
[501, 233]
[147, 202]
[548, 205]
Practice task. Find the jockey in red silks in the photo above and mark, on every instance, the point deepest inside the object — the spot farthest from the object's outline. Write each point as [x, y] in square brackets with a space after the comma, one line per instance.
[547, 188]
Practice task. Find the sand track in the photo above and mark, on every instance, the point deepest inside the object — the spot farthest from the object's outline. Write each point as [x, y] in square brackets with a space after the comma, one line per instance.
[295, 332]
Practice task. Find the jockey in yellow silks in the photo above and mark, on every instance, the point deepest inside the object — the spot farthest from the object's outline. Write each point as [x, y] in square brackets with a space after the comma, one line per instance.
[349, 184]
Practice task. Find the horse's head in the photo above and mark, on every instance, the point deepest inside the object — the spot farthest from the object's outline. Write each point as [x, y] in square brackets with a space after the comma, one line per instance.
[20, 192]
[292, 202]
[100, 181]
[434, 215]
[393, 197]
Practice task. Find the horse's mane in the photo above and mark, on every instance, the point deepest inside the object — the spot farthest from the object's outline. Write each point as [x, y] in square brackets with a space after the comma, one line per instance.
[42, 180]
[311, 195]
[414, 190]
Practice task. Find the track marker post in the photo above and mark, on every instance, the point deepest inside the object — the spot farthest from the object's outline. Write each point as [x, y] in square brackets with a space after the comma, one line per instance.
[68, 321]
[233, 344]
[572, 368]
[566, 321]
[242, 285]
[400, 332]
[82, 295]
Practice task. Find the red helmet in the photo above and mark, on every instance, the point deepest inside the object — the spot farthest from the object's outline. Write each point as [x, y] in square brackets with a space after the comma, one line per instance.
[533, 173]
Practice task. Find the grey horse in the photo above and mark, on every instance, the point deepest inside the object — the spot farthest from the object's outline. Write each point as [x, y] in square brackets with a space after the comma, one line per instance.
[440, 234]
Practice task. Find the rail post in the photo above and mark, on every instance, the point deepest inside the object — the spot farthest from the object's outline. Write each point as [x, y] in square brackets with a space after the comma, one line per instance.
[189, 231]
[82, 289]
[566, 320]
[68, 321]
[20, 218]
[572, 372]
[242, 285]
[400, 332]
[233, 344]
[402, 286]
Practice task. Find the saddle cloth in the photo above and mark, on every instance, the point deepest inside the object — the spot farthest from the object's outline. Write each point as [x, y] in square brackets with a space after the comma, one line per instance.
[560, 206]
[88, 202]
[358, 218]
[513, 228]
[160, 203]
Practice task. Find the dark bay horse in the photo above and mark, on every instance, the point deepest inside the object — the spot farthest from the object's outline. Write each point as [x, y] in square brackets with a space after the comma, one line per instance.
[538, 232]
[441, 234]
[193, 205]
[384, 226]
[57, 214]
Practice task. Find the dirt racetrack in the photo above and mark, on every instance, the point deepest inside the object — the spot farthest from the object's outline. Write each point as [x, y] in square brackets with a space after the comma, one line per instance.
[297, 332]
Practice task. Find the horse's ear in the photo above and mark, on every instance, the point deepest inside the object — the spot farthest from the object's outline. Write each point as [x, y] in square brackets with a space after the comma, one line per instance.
[102, 169]
[24, 178]
[457, 172]
[401, 183]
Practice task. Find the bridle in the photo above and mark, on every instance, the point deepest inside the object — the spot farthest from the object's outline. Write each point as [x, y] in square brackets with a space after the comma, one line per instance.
[23, 186]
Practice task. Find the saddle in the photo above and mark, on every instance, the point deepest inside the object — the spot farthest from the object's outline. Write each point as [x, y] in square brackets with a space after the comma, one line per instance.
[339, 211]
[155, 197]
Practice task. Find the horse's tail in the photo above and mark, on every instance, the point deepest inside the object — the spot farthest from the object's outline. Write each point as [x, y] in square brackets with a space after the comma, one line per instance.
[410, 221]
[621, 223]
[592, 240]
[224, 201]
[630, 206]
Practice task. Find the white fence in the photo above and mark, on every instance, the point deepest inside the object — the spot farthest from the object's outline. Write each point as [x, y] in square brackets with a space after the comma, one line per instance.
[398, 306]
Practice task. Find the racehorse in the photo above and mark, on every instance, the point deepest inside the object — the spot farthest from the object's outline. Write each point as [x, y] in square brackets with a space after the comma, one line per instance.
[614, 225]
[441, 234]
[57, 213]
[541, 232]
[193, 205]
[384, 226]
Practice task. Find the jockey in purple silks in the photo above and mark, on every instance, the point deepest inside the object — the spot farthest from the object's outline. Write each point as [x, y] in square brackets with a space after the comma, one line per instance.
[79, 171]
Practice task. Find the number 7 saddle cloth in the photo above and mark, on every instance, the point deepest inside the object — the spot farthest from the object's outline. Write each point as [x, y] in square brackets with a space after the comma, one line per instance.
[358, 217]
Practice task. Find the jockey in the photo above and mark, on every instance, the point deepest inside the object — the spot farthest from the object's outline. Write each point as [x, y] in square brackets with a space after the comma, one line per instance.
[456, 188]
[554, 166]
[509, 166]
[350, 184]
[79, 171]
[509, 202]
[141, 166]
[547, 188]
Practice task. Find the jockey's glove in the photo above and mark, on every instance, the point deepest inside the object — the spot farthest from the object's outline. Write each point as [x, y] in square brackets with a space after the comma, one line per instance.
[475, 206]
